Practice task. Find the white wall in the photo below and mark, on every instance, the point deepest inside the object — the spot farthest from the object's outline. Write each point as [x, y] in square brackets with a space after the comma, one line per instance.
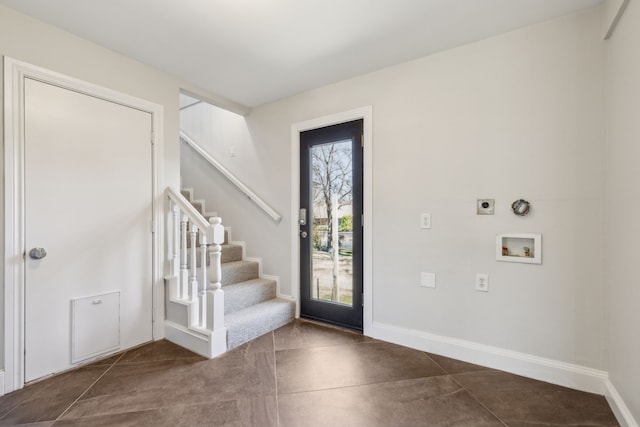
[32, 41]
[220, 132]
[514, 116]
[622, 203]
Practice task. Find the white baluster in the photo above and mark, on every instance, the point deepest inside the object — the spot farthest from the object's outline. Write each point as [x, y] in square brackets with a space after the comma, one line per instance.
[173, 252]
[184, 272]
[203, 281]
[193, 279]
[175, 236]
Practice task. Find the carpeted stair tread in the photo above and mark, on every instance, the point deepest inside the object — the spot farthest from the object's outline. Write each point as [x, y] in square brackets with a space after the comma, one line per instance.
[245, 325]
[245, 294]
[230, 253]
[239, 271]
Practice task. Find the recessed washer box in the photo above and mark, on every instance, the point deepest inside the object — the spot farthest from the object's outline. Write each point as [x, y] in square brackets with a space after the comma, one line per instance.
[519, 247]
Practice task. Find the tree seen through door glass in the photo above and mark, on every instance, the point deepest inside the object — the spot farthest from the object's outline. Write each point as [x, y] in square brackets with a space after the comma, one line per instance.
[332, 222]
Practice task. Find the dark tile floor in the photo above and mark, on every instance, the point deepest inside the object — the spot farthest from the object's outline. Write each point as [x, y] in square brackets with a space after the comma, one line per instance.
[301, 375]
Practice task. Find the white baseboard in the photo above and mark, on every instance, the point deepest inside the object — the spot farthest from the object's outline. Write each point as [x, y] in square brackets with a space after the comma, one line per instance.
[539, 368]
[2, 382]
[619, 408]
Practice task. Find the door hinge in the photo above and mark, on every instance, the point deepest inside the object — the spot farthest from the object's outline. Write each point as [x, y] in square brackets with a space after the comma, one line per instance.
[153, 225]
[362, 141]
[362, 220]
[362, 298]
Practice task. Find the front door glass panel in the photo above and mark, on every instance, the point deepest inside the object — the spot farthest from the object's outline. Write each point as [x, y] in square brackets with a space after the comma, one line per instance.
[332, 222]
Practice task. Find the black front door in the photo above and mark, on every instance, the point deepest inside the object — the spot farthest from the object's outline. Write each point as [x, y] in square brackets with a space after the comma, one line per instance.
[331, 197]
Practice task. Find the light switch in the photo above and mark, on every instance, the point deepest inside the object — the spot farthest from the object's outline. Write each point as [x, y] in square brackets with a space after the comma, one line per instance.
[425, 220]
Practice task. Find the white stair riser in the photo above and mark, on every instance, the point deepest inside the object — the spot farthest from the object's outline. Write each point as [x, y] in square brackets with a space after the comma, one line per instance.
[247, 324]
[239, 271]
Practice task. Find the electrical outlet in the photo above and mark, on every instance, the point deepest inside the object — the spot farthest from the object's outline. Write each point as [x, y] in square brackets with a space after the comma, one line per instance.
[425, 220]
[482, 282]
[428, 280]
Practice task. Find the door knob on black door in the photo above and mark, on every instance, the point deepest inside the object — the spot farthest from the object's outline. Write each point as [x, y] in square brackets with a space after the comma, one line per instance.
[303, 234]
[38, 253]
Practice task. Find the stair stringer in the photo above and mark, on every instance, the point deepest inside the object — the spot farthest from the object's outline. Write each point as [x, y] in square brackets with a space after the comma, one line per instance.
[259, 261]
[243, 244]
[261, 274]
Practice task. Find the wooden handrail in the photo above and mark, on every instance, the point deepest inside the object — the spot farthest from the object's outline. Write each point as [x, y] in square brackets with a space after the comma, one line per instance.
[231, 177]
[194, 216]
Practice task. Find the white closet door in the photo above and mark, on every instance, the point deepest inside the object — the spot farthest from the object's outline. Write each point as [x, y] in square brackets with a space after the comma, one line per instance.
[88, 202]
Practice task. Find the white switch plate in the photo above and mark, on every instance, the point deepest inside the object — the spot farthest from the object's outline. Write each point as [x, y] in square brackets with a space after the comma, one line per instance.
[482, 282]
[425, 220]
[428, 280]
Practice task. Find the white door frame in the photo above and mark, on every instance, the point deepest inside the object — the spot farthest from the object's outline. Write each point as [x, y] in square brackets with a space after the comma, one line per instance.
[366, 114]
[14, 207]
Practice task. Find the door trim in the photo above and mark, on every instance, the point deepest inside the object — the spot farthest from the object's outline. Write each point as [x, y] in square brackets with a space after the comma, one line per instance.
[14, 206]
[366, 114]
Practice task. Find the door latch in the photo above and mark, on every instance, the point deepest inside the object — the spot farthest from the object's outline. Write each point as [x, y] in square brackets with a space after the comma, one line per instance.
[302, 217]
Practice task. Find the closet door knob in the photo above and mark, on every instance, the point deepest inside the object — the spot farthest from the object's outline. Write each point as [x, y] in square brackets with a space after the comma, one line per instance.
[38, 253]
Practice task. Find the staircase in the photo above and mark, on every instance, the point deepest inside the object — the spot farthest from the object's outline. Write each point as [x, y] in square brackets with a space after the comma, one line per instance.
[251, 305]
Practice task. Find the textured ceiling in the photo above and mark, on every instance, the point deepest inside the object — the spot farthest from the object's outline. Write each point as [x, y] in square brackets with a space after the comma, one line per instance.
[257, 51]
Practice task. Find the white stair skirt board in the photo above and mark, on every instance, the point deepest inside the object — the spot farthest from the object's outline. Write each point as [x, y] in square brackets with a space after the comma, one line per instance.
[95, 325]
[202, 342]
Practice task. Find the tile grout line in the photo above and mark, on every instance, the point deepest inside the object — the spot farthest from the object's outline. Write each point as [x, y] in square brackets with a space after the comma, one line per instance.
[465, 389]
[90, 386]
[275, 377]
[382, 381]
[473, 396]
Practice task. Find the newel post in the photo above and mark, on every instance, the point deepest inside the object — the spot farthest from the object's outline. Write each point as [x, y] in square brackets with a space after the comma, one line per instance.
[215, 295]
